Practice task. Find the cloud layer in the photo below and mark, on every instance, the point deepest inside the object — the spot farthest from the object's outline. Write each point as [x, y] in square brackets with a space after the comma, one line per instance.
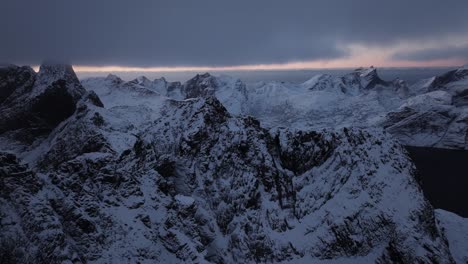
[219, 33]
[441, 53]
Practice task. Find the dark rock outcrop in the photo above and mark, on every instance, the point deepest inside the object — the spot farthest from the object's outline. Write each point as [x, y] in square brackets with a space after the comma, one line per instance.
[39, 102]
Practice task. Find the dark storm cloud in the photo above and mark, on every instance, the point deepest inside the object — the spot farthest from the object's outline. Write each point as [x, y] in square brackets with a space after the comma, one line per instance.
[452, 52]
[213, 33]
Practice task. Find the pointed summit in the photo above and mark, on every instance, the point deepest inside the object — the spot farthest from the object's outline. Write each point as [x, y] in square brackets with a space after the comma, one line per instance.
[51, 74]
[50, 97]
[369, 77]
[199, 86]
[113, 78]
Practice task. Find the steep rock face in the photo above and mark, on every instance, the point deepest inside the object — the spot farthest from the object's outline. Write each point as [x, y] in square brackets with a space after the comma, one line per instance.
[40, 102]
[345, 231]
[30, 229]
[15, 80]
[231, 92]
[368, 78]
[199, 86]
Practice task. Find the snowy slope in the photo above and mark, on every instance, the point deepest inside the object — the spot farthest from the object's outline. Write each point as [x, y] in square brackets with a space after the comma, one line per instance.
[456, 231]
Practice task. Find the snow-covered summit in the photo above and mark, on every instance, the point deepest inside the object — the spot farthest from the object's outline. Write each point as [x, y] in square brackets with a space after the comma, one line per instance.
[49, 73]
[368, 77]
[58, 73]
[113, 78]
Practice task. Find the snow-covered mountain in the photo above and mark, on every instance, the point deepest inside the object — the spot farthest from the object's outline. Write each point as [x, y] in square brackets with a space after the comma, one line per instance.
[431, 113]
[156, 172]
[230, 91]
[359, 99]
[437, 116]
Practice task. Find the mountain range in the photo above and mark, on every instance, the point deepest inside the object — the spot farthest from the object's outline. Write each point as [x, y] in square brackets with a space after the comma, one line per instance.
[213, 170]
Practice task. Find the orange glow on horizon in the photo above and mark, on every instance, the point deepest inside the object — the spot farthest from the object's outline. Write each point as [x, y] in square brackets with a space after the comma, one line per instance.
[332, 64]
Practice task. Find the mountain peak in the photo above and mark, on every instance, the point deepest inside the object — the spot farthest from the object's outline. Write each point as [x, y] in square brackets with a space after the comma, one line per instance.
[113, 78]
[318, 82]
[205, 75]
[371, 71]
[56, 69]
[441, 81]
[49, 73]
[369, 77]
[162, 79]
[142, 79]
[199, 86]
[463, 70]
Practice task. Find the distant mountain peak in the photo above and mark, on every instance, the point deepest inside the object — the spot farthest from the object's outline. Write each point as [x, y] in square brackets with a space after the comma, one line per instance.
[113, 78]
[204, 75]
[162, 79]
[369, 77]
[452, 76]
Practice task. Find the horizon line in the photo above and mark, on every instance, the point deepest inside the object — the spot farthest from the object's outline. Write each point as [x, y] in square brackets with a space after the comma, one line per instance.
[297, 65]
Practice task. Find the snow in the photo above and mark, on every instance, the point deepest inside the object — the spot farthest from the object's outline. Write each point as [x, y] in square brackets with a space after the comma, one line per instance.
[323, 101]
[456, 230]
[184, 200]
[428, 100]
[366, 72]
[168, 180]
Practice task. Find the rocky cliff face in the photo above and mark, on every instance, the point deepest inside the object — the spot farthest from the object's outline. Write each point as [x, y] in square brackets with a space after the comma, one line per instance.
[188, 182]
[33, 104]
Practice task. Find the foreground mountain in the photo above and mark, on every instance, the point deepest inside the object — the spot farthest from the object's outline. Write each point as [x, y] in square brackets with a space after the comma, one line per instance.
[185, 181]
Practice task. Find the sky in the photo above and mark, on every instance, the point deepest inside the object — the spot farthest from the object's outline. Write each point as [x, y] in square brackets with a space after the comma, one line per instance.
[239, 35]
